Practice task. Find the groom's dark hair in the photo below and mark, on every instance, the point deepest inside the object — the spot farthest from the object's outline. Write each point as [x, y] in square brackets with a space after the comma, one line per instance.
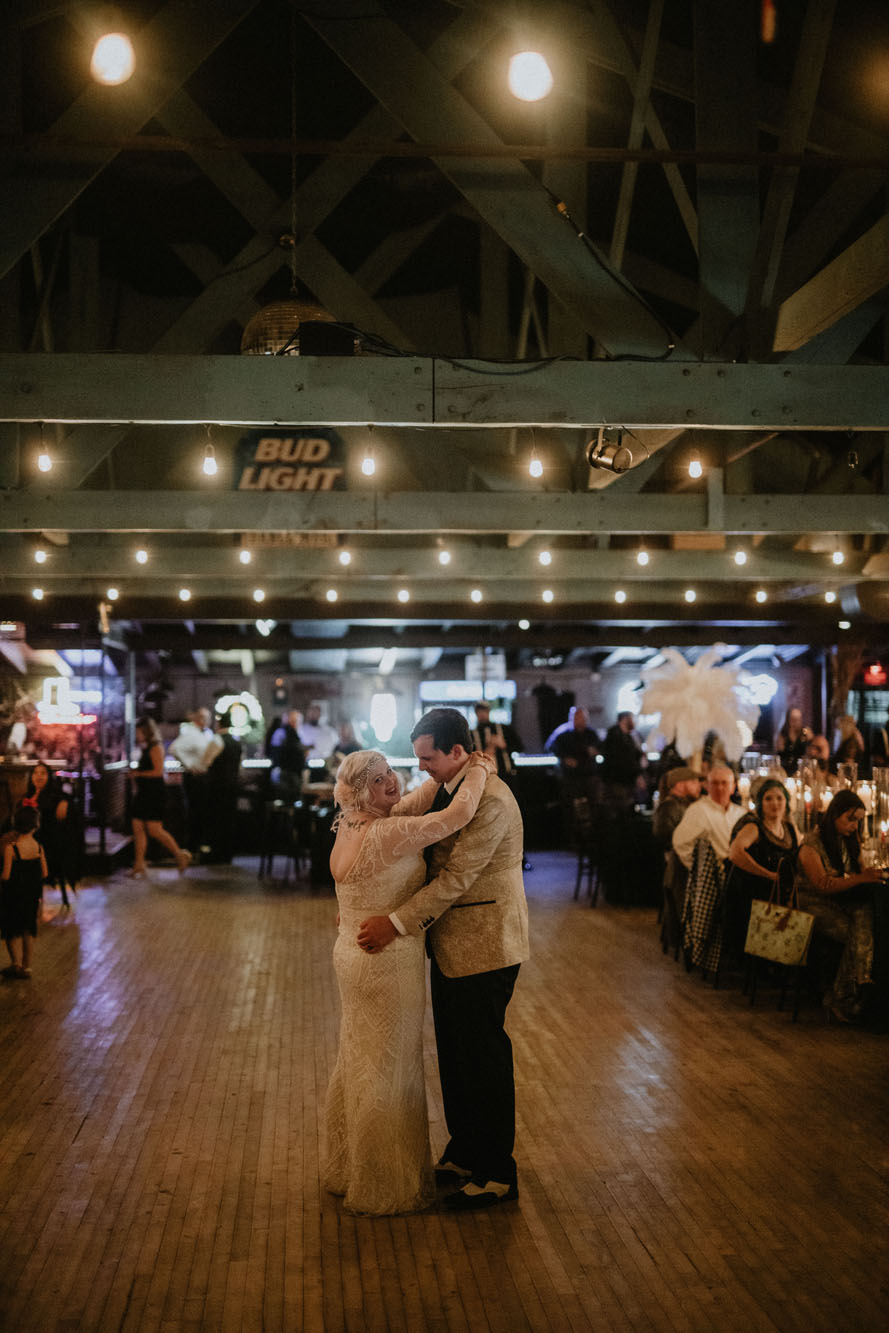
[446, 726]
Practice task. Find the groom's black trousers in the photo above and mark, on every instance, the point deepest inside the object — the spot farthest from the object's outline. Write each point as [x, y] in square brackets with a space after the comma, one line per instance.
[475, 1067]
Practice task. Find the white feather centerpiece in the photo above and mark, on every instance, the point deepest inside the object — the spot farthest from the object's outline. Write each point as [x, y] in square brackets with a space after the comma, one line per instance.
[693, 699]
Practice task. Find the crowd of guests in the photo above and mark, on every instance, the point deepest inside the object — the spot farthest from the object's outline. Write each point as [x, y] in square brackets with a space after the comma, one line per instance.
[719, 853]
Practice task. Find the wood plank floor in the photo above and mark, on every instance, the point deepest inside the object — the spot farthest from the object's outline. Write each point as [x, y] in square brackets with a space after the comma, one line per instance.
[685, 1162]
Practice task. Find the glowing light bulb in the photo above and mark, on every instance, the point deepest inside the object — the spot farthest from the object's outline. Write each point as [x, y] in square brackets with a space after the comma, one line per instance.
[40, 556]
[524, 624]
[44, 461]
[547, 594]
[830, 598]
[37, 594]
[642, 556]
[838, 557]
[695, 466]
[740, 557]
[141, 556]
[545, 557]
[620, 596]
[113, 59]
[331, 594]
[444, 557]
[184, 595]
[368, 465]
[258, 595]
[530, 77]
[209, 467]
[844, 624]
[535, 467]
[761, 595]
[403, 595]
[245, 556]
[476, 595]
[345, 557]
[690, 595]
[112, 594]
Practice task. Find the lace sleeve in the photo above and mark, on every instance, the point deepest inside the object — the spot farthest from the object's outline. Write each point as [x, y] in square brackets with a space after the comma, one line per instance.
[418, 801]
[399, 835]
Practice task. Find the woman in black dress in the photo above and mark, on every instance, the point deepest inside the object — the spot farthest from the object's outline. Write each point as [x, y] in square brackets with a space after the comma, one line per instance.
[23, 873]
[148, 802]
[56, 834]
[760, 842]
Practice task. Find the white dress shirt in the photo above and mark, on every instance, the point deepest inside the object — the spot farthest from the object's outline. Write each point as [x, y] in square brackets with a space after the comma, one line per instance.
[705, 819]
[190, 745]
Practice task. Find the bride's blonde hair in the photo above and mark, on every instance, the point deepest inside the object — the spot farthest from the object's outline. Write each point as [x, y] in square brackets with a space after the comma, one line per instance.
[350, 790]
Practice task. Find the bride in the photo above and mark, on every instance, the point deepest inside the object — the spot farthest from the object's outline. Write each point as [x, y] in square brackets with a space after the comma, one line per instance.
[378, 1152]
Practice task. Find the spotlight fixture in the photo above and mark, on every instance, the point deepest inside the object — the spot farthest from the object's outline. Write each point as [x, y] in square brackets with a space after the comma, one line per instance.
[761, 595]
[695, 466]
[476, 595]
[112, 594]
[245, 556]
[690, 595]
[620, 596]
[545, 557]
[184, 595]
[345, 557]
[609, 454]
[403, 595]
[331, 594]
[830, 597]
[258, 595]
[141, 556]
[642, 556]
[113, 59]
[530, 78]
[547, 594]
[209, 466]
[37, 594]
[444, 557]
[40, 556]
[740, 557]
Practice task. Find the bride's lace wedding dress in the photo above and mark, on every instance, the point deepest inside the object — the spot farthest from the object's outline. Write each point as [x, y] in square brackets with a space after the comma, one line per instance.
[378, 1152]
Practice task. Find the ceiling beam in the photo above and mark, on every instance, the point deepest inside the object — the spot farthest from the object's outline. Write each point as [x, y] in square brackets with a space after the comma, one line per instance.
[419, 512]
[848, 281]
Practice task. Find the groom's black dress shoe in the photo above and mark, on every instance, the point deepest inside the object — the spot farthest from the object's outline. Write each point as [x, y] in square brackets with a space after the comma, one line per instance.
[449, 1173]
[485, 1195]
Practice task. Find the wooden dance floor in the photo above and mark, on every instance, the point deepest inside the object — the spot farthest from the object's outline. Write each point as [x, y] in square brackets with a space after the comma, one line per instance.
[685, 1162]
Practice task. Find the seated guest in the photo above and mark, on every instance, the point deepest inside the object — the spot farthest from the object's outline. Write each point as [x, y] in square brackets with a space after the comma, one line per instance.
[679, 788]
[849, 904]
[760, 842]
[712, 817]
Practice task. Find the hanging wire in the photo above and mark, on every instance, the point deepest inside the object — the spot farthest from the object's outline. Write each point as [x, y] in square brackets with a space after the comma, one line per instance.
[293, 129]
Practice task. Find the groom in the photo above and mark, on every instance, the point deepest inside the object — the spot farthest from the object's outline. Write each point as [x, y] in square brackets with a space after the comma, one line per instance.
[476, 916]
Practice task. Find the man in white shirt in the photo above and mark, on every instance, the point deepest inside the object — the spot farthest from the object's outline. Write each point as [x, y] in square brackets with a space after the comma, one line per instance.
[713, 817]
[189, 748]
[319, 739]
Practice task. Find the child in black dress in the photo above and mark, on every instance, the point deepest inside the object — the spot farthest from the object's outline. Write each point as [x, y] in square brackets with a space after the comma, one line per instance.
[24, 870]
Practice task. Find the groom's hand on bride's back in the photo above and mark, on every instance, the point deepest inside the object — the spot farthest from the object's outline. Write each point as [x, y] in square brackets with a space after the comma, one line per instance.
[375, 933]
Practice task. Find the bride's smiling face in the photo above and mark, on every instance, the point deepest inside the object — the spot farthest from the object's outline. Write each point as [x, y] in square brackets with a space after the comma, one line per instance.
[383, 788]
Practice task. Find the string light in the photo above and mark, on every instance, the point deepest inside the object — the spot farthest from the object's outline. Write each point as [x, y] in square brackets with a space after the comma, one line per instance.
[830, 598]
[112, 594]
[40, 556]
[345, 557]
[113, 59]
[740, 557]
[535, 467]
[331, 594]
[524, 624]
[209, 467]
[695, 466]
[184, 595]
[838, 557]
[141, 556]
[403, 595]
[547, 594]
[245, 556]
[620, 596]
[44, 458]
[642, 556]
[368, 464]
[258, 595]
[761, 595]
[444, 557]
[690, 595]
[545, 557]
[530, 78]
[844, 624]
[476, 595]
[37, 594]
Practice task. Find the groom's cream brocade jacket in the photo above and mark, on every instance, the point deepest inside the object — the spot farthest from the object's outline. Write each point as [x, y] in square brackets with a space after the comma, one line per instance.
[474, 906]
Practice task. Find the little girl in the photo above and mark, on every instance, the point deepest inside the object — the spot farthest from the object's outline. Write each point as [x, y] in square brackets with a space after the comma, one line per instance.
[24, 870]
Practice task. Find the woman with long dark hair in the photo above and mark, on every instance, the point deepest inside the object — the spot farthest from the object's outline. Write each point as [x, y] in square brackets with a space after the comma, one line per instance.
[849, 904]
[57, 833]
[792, 740]
[148, 802]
